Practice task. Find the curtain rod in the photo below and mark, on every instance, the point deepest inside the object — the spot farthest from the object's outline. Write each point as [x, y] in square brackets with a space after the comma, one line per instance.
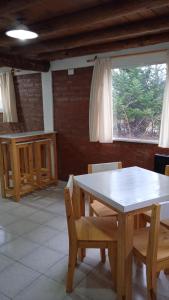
[131, 54]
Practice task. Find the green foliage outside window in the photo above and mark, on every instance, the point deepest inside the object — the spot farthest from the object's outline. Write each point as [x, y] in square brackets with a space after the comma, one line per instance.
[137, 101]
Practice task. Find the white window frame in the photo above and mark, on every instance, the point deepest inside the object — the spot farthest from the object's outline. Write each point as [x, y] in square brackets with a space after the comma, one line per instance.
[138, 61]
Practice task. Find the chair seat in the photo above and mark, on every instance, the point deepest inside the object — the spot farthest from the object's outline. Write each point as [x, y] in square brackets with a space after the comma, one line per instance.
[102, 210]
[96, 229]
[164, 223]
[140, 243]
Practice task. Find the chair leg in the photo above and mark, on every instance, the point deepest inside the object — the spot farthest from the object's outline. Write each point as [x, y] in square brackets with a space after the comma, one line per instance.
[71, 268]
[141, 221]
[151, 284]
[112, 253]
[166, 271]
[90, 211]
[90, 208]
[103, 255]
[81, 254]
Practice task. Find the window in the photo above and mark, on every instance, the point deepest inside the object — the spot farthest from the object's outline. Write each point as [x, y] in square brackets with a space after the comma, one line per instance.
[137, 101]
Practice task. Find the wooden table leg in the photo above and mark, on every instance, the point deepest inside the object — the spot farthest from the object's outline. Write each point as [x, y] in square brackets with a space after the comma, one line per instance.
[125, 245]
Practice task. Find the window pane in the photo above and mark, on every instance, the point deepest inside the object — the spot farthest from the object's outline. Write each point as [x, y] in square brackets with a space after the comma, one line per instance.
[137, 101]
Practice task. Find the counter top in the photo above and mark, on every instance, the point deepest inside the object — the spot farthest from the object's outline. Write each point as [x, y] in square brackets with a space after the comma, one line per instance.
[25, 134]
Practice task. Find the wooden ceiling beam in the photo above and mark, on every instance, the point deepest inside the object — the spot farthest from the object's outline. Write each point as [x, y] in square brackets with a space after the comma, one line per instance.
[12, 6]
[19, 62]
[89, 19]
[124, 31]
[113, 46]
[95, 17]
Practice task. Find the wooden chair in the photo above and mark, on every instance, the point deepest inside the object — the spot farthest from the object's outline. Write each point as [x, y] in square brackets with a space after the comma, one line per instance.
[88, 232]
[43, 162]
[95, 207]
[151, 246]
[147, 216]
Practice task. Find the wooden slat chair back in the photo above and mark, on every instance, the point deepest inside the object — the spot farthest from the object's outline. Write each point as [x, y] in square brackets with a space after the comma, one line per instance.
[97, 208]
[87, 232]
[147, 216]
[68, 192]
[164, 211]
[93, 168]
[167, 170]
[151, 246]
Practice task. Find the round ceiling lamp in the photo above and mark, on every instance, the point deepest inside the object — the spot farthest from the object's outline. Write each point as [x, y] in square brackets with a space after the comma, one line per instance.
[21, 32]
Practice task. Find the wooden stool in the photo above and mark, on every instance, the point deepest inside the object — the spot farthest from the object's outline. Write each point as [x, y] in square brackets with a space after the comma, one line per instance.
[42, 159]
[27, 161]
[17, 169]
[7, 169]
[24, 181]
[25, 153]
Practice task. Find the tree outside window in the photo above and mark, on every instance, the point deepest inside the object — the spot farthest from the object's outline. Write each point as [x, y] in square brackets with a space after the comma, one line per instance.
[137, 101]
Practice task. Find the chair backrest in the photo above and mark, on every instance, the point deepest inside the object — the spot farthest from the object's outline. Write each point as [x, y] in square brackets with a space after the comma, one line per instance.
[164, 210]
[93, 168]
[167, 170]
[159, 212]
[68, 195]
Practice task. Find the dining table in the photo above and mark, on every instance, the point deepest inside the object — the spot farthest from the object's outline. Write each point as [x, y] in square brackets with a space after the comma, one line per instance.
[130, 191]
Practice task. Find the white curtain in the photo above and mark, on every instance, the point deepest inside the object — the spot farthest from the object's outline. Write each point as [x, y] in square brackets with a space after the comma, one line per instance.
[101, 107]
[8, 98]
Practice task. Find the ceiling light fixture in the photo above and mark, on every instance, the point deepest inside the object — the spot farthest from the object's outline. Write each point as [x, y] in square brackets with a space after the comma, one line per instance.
[21, 32]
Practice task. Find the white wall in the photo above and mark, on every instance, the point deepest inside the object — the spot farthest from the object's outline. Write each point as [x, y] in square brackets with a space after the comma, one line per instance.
[87, 60]
[47, 96]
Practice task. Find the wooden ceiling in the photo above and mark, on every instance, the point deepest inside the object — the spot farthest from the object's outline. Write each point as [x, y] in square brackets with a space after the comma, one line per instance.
[72, 28]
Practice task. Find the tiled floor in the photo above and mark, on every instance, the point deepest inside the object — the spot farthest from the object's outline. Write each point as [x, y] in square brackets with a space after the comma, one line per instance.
[33, 255]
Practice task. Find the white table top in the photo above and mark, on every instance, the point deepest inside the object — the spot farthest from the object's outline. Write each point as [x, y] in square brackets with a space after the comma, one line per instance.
[24, 134]
[126, 189]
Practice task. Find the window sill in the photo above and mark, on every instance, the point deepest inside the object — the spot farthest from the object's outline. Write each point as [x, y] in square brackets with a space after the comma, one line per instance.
[128, 140]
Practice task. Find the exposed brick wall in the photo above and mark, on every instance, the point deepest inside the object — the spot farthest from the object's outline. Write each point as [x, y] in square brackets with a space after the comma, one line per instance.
[29, 105]
[29, 101]
[9, 127]
[71, 106]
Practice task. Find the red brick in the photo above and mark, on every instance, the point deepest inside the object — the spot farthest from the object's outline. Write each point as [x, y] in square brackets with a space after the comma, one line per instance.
[29, 105]
[71, 111]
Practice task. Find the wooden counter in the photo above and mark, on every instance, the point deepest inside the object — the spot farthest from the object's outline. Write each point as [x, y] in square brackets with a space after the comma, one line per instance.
[28, 161]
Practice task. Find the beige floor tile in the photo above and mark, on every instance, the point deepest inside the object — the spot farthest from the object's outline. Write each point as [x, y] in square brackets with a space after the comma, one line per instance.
[43, 289]
[21, 226]
[15, 278]
[18, 248]
[42, 258]
[41, 234]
